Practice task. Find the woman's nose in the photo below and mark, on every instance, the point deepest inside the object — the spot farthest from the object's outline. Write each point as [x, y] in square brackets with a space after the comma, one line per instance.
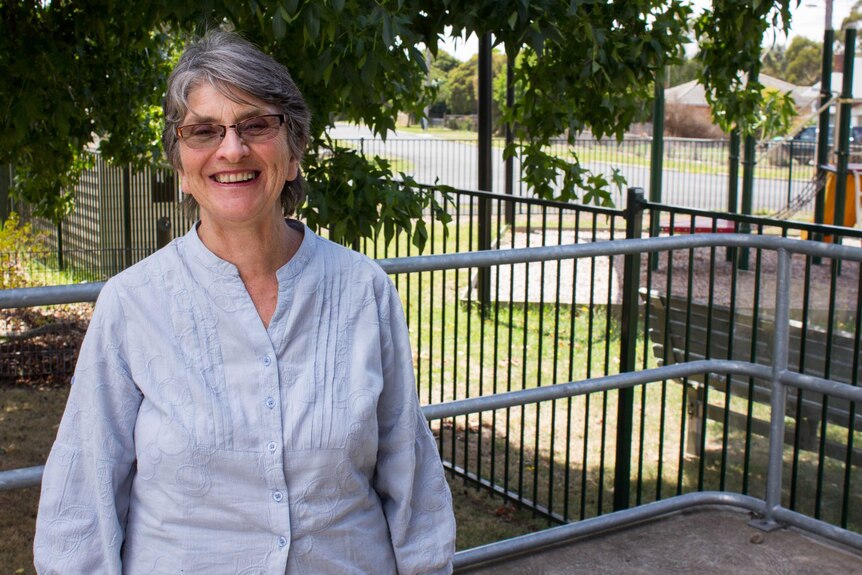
[232, 147]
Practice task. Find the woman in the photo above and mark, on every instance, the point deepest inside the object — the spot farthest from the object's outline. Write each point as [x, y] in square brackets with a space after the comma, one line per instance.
[244, 399]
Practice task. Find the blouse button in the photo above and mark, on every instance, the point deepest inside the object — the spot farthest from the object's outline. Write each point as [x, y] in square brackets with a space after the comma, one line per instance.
[271, 446]
[282, 541]
[270, 402]
[266, 361]
[277, 496]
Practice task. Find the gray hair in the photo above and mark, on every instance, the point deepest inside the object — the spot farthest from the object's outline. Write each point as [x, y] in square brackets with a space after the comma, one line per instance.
[233, 65]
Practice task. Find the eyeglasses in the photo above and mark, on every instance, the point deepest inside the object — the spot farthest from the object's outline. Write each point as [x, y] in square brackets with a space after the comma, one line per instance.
[251, 130]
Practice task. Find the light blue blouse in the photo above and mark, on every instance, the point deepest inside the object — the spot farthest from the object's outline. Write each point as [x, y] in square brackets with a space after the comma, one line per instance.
[196, 440]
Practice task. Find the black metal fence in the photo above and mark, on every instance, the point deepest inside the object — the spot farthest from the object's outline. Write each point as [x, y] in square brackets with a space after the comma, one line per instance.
[482, 331]
[695, 172]
[121, 216]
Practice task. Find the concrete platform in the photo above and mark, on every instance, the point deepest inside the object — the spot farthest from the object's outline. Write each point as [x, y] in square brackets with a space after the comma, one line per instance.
[702, 542]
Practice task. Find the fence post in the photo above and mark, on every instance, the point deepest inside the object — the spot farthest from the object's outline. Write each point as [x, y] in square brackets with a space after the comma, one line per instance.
[5, 184]
[485, 162]
[60, 263]
[823, 126]
[127, 215]
[628, 350]
[843, 132]
[748, 162]
[510, 136]
[733, 183]
[656, 159]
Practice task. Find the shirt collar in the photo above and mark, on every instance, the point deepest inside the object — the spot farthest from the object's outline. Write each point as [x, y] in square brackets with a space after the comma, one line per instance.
[218, 266]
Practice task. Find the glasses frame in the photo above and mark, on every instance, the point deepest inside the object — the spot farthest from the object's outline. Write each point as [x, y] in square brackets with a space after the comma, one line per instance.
[282, 118]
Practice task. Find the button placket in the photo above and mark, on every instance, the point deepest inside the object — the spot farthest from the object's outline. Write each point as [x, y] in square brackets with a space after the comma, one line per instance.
[273, 428]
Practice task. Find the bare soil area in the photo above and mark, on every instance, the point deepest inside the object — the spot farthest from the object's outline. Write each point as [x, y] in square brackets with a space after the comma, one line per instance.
[704, 274]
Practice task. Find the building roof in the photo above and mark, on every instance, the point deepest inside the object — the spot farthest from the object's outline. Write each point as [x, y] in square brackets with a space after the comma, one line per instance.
[693, 94]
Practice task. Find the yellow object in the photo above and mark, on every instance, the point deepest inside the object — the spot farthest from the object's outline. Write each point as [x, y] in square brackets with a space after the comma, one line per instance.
[851, 198]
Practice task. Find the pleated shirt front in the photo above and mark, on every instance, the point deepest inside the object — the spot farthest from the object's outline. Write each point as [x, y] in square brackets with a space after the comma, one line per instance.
[196, 440]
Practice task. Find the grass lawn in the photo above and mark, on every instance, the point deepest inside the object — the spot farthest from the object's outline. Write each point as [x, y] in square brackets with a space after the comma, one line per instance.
[439, 133]
[558, 454]
[691, 157]
[29, 418]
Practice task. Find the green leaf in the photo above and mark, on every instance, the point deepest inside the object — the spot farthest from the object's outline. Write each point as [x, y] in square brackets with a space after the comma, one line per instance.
[292, 8]
[387, 30]
[279, 28]
[420, 235]
[513, 20]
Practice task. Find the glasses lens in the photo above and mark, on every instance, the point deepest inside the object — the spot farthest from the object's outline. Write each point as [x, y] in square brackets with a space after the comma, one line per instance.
[201, 135]
[259, 128]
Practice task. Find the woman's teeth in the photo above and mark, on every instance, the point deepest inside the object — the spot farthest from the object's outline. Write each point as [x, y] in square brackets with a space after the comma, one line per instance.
[234, 178]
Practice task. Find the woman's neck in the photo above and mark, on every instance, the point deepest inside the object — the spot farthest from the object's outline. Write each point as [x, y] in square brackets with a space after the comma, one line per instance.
[257, 254]
[254, 251]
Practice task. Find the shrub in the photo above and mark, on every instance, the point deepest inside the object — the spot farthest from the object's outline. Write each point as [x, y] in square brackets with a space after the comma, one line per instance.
[466, 123]
[17, 242]
[690, 122]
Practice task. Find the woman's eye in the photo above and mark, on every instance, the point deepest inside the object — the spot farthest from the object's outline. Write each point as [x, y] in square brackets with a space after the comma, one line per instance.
[255, 125]
[203, 131]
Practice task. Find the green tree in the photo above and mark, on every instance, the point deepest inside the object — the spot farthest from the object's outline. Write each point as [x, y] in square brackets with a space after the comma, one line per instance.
[798, 63]
[462, 85]
[459, 92]
[70, 72]
[729, 35]
[685, 71]
[803, 61]
[851, 20]
[775, 61]
[441, 65]
[854, 16]
[76, 74]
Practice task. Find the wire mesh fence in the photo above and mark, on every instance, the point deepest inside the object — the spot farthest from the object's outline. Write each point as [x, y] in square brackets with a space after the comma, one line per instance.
[560, 457]
[694, 172]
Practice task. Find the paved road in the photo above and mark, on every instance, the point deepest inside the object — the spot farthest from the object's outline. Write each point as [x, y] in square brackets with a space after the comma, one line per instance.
[433, 160]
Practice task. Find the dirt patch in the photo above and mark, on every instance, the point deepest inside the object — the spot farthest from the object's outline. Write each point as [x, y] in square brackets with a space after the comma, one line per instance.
[29, 417]
[39, 346]
[703, 274]
[708, 275]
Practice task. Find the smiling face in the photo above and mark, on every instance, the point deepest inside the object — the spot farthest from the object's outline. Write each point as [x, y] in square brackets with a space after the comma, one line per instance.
[236, 184]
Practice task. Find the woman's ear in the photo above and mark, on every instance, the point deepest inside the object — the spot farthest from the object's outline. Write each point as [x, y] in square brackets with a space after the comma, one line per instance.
[292, 169]
[180, 175]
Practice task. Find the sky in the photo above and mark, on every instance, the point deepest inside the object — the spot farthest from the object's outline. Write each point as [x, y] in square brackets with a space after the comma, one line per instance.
[809, 19]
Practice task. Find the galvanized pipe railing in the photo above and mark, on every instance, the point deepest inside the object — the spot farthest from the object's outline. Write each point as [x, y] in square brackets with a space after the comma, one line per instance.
[88, 292]
[779, 391]
[777, 373]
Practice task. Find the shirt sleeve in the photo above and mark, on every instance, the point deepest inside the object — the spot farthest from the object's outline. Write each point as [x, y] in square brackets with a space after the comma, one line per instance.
[409, 477]
[88, 475]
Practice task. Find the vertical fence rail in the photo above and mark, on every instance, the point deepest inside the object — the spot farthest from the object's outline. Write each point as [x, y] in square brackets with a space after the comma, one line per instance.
[695, 176]
[628, 349]
[469, 438]
[452, 343]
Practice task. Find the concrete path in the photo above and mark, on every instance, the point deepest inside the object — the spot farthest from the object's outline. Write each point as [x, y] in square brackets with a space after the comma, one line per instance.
[701, 542]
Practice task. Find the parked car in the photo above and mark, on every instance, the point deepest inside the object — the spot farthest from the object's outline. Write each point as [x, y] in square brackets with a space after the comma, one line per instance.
[803, 146]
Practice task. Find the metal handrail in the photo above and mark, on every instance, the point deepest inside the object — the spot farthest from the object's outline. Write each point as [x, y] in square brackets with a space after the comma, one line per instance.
[88, 292]
[773, 514]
